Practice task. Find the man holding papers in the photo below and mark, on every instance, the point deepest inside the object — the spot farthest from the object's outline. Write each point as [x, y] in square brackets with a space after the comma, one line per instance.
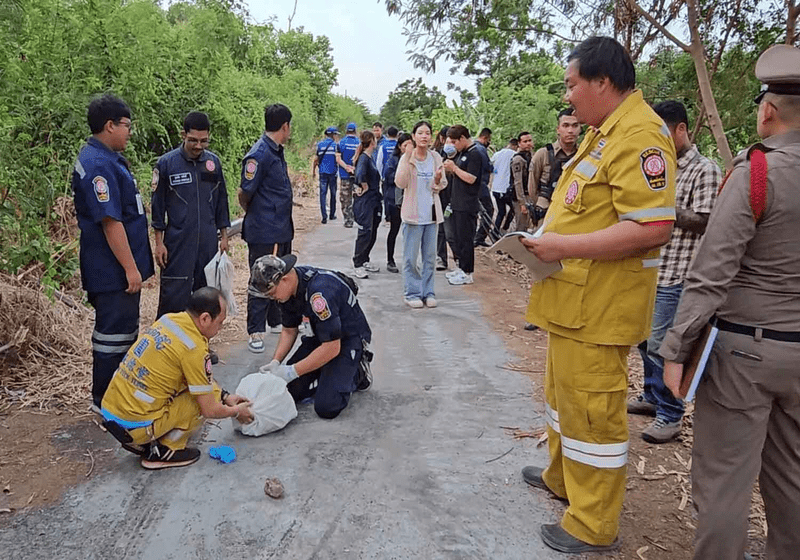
[747, 274]
[614, 205]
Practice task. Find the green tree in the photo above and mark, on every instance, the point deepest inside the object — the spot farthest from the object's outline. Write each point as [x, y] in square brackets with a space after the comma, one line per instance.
[413, 96]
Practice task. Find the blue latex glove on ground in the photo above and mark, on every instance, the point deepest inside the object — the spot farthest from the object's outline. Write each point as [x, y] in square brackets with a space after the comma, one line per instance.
[224, 453]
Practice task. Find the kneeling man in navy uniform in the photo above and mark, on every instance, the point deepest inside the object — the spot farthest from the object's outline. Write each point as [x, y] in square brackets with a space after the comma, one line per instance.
[333, 361]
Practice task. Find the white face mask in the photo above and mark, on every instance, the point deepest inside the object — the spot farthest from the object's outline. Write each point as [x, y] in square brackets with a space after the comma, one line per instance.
[449, 150]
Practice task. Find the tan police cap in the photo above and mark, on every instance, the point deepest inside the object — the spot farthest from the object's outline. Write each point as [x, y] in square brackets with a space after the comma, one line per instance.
[778, 69]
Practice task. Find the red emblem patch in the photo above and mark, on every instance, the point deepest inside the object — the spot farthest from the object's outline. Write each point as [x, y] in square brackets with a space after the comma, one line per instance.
[654, 165]
[210, 165]
[654, 168]
[320, 306]
[572, 193]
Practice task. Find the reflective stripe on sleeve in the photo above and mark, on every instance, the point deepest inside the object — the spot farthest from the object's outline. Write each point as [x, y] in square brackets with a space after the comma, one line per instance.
[178, 332]
[144, 397]
[661, 212]
[665, 131]
[600, 455]
[200, 388]
[552, 418]
[650, 263]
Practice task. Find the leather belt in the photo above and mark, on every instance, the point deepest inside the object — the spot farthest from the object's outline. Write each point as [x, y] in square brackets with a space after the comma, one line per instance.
[784, 336]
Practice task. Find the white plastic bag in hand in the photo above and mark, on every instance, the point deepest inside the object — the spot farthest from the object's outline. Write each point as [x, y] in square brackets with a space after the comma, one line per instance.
[219, 274]
[273, 407]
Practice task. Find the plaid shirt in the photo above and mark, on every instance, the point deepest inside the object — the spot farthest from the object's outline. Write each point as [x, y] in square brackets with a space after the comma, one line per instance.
[695, 189]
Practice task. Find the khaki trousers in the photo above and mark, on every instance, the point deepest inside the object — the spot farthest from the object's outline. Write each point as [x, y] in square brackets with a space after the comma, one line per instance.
[747, 425]
[522, 222]
[587, 427]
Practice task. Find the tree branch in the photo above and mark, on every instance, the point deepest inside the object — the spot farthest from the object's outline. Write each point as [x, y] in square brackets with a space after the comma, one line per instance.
[657, 25]
[536, 29]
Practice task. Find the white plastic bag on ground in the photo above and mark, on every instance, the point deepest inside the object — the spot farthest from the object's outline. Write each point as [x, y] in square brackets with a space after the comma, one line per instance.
[219, 274]
[273, 406]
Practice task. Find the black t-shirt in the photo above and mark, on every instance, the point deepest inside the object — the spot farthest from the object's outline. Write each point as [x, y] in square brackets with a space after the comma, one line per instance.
[464, 197]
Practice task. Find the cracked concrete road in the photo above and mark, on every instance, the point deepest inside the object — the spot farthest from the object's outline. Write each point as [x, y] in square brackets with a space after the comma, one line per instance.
[410, 470]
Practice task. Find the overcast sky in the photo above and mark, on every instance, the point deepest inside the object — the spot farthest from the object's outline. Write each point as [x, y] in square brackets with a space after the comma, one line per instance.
[368, 45]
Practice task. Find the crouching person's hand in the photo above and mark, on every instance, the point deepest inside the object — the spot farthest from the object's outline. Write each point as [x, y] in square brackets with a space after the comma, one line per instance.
[243, 412]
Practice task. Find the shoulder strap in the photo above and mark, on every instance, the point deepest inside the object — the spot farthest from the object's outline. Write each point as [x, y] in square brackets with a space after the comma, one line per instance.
[758, 183]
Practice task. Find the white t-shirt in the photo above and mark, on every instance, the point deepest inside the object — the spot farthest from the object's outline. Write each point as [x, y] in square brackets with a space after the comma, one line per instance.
[425, 172]
[502, 170]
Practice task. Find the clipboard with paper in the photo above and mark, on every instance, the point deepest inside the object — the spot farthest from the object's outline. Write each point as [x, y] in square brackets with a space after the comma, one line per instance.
[510, 245]
[698, 359]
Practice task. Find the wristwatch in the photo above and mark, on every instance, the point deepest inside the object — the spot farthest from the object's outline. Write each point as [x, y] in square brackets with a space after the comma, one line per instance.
[223, 395]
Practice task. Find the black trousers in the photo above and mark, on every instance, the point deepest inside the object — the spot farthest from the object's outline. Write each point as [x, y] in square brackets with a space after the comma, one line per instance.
[393, 216]
[261, 311]
[445, 237]
[464, 229]
[365, 240]
[116, 328]
[505, 209]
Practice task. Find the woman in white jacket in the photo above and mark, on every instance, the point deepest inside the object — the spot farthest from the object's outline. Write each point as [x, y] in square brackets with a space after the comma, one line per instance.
[421, 176]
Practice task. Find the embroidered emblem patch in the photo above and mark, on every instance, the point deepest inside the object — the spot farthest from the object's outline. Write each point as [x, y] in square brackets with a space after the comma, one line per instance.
[210, 165]
[100, 188]
[250, 168]
[154, 181]
[572, 193]
[654, 168]
[319, 306]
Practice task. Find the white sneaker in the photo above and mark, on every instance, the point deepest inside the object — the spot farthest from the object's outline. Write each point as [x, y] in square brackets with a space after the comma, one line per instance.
[369, 267]
[461, 280]
[453, 273]
[276, 329]
[430, 301]
[256, 343]
[360, 272]
[414, 303]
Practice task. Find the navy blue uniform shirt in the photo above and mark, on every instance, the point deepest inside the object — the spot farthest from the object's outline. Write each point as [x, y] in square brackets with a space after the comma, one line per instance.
[103, 187]
[266, 181]
[190, 200]
[326, 156]
[389, 188]
[331, 307]
[347, 148]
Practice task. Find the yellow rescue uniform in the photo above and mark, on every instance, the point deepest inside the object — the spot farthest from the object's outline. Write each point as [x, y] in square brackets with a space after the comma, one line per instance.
[595, 310]
[151, 393]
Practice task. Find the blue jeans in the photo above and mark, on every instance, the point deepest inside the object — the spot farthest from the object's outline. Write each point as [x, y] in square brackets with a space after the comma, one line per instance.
[418, 238]
[668, 408]
[327, 182]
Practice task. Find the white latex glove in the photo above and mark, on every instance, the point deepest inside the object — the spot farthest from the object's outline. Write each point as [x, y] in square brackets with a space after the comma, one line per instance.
[287, 373]
[270, 367]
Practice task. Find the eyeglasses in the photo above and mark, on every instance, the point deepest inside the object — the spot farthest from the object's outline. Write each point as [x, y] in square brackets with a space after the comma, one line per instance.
[126, 124]
[758, 98]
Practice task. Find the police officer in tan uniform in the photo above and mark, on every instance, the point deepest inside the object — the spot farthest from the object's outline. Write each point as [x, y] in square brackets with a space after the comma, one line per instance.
[746, 277]
[612, 208]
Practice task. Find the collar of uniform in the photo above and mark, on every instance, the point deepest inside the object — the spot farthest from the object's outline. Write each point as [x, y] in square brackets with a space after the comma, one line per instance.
[273, 145]
[302, 282]
[98, 144]
[557, 147]
[687, 157]
[624, 108]
[781, 140]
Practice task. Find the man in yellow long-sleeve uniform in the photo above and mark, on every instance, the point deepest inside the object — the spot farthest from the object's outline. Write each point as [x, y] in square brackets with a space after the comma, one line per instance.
[613, 207]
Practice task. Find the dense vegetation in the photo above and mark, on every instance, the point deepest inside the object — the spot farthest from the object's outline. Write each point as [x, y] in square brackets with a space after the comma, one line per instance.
[55, 55]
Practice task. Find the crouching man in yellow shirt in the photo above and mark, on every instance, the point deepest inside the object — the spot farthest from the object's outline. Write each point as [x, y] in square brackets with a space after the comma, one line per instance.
[163, 388]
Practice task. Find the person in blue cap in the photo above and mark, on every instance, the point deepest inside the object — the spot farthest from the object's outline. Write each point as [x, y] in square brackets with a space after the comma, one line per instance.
[333, 362]
[189, 205]
[266, 197]
[345, 150]
[115, 255]
[325, 159]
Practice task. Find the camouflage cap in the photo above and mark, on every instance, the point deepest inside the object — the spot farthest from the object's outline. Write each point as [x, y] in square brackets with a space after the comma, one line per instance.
[267, 272]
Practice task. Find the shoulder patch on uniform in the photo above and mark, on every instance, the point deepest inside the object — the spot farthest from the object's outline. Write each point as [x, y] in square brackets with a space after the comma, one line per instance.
[250, 167]
[154, 180]
[100, 188]
[210, 165]
[319, 305]
[572, 193]
[654, 168]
